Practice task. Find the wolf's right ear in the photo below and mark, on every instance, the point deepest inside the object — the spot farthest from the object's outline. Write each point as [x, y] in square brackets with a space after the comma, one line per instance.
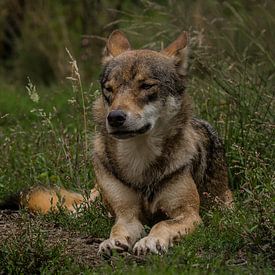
[178, 50]
[117, 43]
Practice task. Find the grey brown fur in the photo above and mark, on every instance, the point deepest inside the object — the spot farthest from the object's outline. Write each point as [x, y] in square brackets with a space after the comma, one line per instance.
[159, 159]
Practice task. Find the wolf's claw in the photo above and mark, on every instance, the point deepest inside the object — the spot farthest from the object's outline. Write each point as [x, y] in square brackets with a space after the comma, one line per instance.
[150, 245]
[109, 245]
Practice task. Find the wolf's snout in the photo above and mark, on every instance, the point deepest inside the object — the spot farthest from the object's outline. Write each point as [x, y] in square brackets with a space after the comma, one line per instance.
[116, 118]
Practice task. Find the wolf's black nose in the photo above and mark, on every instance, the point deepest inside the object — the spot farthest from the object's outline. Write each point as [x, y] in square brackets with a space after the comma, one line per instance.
[116, 118]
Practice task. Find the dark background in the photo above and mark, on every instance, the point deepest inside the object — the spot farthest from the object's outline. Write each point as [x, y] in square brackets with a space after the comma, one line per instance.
[34, 34]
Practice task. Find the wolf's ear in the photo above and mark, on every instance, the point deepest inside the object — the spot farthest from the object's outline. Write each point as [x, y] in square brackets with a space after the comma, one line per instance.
[117, 43]
[178, 50]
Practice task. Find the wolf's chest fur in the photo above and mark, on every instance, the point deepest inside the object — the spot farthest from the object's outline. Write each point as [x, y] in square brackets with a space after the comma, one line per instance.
[134, 157]
[145, 161]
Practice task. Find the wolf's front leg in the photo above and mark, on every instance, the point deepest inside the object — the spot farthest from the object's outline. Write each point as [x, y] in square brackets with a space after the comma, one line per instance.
[165, 233]
[180, 201]
[124, 234]
[125, 205]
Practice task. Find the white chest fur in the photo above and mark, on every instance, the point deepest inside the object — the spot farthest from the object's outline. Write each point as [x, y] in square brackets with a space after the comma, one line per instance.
[136, 154]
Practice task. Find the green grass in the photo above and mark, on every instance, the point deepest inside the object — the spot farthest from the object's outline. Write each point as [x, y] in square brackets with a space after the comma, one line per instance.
[232, 84]
[30, 252]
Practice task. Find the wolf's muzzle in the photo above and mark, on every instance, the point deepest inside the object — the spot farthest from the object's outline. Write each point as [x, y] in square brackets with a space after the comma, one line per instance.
[116, 118]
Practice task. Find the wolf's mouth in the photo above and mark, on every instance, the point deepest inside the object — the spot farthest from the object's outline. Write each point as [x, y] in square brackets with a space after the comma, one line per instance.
[124, 134]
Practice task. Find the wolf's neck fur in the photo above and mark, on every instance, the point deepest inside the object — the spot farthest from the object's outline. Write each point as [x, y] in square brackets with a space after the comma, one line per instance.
[136, 154]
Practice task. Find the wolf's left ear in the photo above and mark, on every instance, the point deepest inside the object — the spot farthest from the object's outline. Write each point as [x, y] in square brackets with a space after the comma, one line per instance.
[117, 43]
[178, 50]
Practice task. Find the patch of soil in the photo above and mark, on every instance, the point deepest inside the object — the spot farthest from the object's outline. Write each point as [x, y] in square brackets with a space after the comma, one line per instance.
[83, 249]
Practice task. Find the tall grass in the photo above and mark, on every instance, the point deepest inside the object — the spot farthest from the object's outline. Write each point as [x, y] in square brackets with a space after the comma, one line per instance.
[231, 79]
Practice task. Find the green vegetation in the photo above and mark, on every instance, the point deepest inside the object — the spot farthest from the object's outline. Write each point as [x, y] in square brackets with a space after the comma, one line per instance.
[232, 83]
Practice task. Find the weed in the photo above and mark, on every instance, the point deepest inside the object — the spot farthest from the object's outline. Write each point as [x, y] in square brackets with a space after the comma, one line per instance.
[28, 252]
[232, 83]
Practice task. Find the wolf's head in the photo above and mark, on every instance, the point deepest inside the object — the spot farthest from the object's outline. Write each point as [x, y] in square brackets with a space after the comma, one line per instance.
[141, 89]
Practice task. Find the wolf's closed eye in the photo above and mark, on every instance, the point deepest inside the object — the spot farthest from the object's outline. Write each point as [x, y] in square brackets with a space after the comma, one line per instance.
[147, 86]
[107, 93]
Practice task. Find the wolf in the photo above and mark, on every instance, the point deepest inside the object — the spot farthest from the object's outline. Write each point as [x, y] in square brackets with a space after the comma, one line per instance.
[154, 162]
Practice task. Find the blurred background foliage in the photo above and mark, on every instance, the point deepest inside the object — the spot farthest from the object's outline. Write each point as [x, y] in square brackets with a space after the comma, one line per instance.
[34, 34]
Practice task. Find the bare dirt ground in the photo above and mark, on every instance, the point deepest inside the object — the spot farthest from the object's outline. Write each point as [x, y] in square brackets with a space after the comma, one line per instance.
[82, 248]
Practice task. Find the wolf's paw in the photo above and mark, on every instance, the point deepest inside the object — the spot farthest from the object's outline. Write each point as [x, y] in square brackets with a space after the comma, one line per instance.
[109, 245]
[150, 244]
